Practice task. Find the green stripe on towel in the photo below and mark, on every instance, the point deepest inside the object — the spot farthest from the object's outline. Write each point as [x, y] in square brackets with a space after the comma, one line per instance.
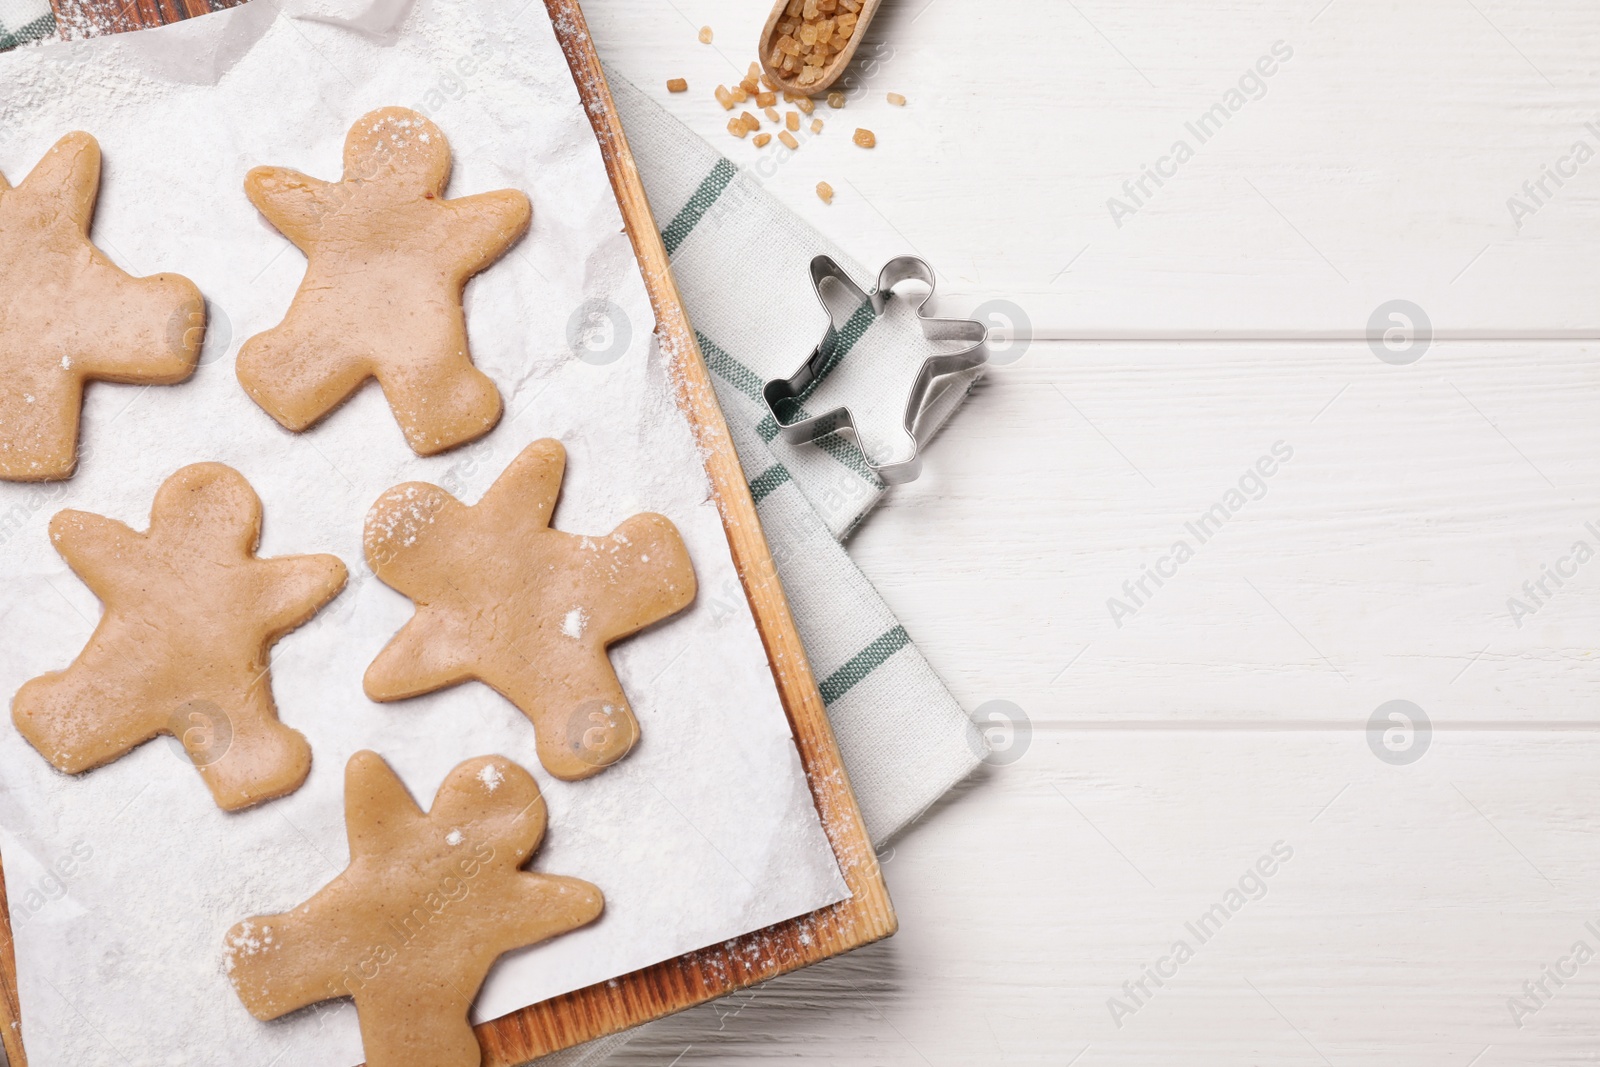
[37, 30]
[863, 663]
[691, 214]
[749, 383]
[768, 480]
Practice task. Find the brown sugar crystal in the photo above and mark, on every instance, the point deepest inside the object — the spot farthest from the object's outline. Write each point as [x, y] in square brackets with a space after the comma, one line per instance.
[811, 35]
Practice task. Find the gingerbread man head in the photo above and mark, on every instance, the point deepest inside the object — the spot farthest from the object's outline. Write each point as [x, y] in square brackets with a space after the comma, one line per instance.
[399, 149]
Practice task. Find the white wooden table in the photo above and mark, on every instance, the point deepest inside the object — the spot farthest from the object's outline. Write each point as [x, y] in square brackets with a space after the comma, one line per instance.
[1177, 739]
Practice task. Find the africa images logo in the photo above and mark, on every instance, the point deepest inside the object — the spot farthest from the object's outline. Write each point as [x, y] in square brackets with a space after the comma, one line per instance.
[1252, 85]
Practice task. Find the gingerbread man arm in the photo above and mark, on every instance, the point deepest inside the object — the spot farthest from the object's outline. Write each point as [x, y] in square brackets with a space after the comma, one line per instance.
[152, 331]
[542, 906]
[405, 540]
[646, 557]
[415, 662]
[484, 226]
[282, 963]
[293, 202]
[297, 586]
[72, 165]
[97, 549]
[379, 812]
[526, 491]
[145, 328]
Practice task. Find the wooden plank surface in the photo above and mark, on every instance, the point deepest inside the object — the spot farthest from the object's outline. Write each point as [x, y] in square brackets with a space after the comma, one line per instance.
[718, 970]
[1185, 743]
[1179, 747]
[1377, 163]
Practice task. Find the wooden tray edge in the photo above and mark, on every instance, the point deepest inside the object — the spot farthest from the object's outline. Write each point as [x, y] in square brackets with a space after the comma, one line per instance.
[868, 915]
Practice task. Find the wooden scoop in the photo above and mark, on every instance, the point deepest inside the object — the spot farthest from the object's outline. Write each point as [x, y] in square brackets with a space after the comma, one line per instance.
[837, 57]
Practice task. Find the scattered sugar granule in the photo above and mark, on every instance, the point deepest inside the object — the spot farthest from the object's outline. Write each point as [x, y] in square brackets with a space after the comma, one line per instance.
[788, 140]
[705, 34]
[677, 85]
[816, 125]
[836, 99]
[825, 191]
[574, 623]
[763, 139]
[454, 837]
[792, 120]
[725, 98]
[897, 100]
[772, 115]
[766, 100]
[865, 138]
[491, 777]
[736, 127]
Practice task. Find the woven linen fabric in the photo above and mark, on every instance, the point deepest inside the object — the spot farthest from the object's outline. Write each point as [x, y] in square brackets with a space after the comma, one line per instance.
[904, 739]
[22, 21]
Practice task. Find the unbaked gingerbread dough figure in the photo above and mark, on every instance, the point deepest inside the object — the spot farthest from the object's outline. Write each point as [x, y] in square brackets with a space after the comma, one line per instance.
[387, 258]
[530, 611]
[68, 315]
[182, 648]
[427, 904]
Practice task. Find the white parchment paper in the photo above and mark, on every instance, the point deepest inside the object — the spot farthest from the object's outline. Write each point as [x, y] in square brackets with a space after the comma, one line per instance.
[123, 881]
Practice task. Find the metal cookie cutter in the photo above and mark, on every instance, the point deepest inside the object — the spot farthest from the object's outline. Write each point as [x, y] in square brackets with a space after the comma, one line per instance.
[784, 395]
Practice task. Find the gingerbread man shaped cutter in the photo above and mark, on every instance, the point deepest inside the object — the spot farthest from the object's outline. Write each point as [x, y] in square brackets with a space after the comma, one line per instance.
[783, 396]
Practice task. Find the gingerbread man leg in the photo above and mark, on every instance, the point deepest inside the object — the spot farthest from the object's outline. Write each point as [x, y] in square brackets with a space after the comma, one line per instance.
[92, 712]
[106, 703]
[296, 373]
[39, 428]
[433, 1032]
[439, 398]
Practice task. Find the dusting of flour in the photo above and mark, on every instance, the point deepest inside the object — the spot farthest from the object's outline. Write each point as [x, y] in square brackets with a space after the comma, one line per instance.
[181, 114]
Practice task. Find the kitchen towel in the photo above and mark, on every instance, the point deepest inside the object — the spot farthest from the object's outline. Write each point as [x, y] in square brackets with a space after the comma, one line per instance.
[741, 260]
[22, 21]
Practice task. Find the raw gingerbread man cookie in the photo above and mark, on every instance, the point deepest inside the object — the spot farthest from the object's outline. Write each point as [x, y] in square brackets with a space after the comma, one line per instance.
[387, 258]
[68, 315]
[411, 927]
[504, 599]
[182, 648]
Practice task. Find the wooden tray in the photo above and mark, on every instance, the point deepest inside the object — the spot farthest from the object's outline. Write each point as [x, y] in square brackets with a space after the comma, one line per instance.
[716, 971]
